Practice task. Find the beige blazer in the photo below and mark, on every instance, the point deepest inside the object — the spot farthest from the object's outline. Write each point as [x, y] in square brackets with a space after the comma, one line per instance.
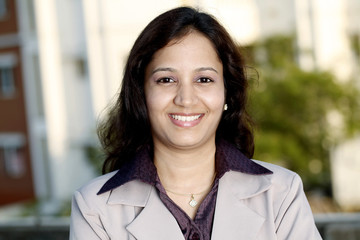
[248, 207]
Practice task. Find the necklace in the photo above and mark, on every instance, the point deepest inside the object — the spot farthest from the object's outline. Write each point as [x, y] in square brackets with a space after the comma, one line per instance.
[192, 201]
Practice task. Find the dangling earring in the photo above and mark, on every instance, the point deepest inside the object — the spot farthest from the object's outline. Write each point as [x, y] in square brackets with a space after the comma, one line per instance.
[225, 107]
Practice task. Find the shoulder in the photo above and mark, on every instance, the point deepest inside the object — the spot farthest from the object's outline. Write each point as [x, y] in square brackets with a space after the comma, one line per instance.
[276, 185]
[132, 193]
[290, 209]
[284, 183]
[94, 185]
[280, 174]
[88, 193]
[276, 169]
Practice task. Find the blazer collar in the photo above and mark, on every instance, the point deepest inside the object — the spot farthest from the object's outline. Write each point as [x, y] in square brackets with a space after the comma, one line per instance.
[133, 193]
[232, 219]
[154, 221]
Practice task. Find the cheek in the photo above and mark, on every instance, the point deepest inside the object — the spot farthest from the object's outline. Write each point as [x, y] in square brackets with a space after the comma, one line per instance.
[151, 104]
[150, 97]
[219, 105]
[216, 100]
[155, 101]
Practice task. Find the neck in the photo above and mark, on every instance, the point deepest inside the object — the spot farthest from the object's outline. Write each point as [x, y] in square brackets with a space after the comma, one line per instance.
[190, 170]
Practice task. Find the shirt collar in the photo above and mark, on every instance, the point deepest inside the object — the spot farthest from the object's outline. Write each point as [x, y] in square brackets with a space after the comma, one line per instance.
[228, 157]
[142, 168]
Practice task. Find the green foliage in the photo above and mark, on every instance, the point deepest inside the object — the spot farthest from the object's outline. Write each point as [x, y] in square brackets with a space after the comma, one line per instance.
[95, 157]
[33, 208]
[292, 107]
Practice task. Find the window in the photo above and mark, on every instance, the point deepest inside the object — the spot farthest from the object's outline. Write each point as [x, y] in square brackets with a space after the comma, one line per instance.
[11, 157]
[14, 162]
[7, 82]
[3, 9]
[8, 62]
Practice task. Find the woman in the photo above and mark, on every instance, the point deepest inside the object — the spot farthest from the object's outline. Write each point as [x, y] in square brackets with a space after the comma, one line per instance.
[178, 143]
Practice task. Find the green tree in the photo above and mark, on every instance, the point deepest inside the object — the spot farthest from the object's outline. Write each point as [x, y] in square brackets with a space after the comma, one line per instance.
[292, 110]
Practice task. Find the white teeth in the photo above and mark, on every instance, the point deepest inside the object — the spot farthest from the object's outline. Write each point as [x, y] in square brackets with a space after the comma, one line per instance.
[185, 118]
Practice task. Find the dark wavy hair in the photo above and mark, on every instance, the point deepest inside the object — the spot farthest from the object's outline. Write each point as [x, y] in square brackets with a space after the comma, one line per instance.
[127, 129]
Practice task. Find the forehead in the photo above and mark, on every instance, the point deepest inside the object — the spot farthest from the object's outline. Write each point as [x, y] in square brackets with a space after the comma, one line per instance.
[194, 48]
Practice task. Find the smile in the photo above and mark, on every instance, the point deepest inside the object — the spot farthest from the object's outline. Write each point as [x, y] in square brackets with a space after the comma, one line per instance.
[185, 118]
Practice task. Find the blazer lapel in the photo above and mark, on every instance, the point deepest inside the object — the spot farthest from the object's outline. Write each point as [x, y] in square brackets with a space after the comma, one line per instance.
[155, 221]
[233, 219]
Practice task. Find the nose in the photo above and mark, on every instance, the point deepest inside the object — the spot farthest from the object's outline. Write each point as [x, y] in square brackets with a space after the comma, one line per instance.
[186, 95]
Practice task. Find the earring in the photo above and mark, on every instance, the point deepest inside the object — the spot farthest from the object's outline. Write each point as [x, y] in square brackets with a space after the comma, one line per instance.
[225, 107]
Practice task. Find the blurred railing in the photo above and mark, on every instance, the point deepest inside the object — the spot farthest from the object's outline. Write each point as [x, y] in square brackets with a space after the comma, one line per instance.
[35, 228]
[337, 226]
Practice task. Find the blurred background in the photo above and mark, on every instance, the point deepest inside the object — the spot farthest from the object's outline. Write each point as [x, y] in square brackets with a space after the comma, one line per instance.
[61, 64]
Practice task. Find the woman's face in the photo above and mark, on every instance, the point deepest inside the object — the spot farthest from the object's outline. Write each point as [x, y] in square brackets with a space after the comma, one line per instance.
[184, 90]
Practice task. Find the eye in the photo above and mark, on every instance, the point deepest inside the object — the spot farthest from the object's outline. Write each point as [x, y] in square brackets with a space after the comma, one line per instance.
[165, 80]
[204, 80]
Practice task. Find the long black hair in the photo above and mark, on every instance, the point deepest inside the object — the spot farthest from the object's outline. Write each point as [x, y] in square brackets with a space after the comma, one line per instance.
[127, 129]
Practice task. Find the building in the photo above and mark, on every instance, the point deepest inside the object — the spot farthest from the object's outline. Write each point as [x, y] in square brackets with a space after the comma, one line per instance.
[61, 63]
[16, 173]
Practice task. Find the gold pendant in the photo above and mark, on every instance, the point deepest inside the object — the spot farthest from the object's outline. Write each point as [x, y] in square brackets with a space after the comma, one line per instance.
[193, 202]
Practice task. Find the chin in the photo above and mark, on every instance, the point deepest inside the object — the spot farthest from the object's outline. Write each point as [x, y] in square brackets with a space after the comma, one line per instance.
[187, 143]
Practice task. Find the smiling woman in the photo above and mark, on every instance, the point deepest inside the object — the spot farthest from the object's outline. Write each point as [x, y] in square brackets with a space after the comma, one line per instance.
[178, 143]
[185, 94]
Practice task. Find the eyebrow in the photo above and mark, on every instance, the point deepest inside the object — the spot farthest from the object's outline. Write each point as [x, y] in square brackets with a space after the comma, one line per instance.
[206, 69]
[168, 69]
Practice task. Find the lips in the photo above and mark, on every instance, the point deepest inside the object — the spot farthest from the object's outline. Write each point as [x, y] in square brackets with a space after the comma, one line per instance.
[185, 120]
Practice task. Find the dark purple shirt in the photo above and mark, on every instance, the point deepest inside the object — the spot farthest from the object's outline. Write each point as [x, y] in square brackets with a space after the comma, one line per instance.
[142, 168]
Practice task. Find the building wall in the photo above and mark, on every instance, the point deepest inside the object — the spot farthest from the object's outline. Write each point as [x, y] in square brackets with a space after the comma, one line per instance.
[65, 87]
[16, 181]
[8, 21]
